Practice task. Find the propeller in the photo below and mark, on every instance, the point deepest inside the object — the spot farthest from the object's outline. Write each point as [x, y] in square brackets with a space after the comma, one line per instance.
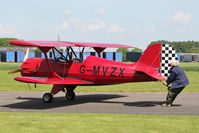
[25, 58]
[14, 71]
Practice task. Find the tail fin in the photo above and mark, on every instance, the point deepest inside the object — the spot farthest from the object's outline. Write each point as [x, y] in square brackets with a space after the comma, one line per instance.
[149, 62]
[155, 61]
[151, 56]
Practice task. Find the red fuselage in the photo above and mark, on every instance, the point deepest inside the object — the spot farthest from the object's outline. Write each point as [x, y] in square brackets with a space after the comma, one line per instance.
[94, 69]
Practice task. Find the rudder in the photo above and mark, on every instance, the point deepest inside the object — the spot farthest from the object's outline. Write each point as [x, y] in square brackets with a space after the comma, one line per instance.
[156, 58]
[149, 62]
[151, 57]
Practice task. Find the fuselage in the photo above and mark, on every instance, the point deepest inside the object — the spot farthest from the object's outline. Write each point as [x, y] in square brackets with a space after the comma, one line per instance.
[94, 69]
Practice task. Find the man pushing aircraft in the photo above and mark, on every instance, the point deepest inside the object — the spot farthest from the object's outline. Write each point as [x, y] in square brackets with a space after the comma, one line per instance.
[178, 79]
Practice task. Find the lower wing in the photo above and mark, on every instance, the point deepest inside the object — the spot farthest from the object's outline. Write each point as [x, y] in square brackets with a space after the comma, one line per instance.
[52, 80]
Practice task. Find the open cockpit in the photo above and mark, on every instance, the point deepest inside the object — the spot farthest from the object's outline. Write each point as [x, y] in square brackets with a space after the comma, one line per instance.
[68, 56]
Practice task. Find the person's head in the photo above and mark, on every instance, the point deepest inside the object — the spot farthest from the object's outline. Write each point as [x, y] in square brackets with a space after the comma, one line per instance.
[174, 63]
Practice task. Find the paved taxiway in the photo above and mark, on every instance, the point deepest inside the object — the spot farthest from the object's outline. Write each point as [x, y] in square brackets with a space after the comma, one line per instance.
[125, 103]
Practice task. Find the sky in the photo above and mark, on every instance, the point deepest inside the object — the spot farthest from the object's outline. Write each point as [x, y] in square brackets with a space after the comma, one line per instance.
[132, 22]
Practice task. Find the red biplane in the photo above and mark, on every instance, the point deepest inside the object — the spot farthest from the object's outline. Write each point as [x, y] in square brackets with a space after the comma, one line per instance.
[66, 73]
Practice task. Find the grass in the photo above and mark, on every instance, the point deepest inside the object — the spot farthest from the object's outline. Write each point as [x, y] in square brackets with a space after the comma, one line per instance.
[96, 123]
[8, 84]
[190, 66]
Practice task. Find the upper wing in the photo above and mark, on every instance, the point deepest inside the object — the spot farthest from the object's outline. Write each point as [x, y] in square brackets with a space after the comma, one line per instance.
[41, 43]
[52, 80]
[66, 44]
[102, 45]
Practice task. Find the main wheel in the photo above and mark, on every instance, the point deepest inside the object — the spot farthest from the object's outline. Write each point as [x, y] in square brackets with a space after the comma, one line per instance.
[47, 98]
[70, 95]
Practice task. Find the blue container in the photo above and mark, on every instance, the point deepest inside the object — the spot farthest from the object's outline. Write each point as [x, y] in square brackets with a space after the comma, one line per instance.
[109, 56]
[93, 53]
[31, 54]
[20, 56]
[178, 56]
[86, 54]
[50, 55]
[38, 54]
[64, 53]
[44, 56]
[101, 55]
[133, 56]
[10, 56]
[77, 54]
[57, 55]
[3, 56]
[118, 56]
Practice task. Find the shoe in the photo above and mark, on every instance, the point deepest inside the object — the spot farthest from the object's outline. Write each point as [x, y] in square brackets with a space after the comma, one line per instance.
[166, 105]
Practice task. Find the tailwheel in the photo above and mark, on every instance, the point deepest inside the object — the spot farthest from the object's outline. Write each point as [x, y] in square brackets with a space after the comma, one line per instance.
[70, 95]
[47, 98]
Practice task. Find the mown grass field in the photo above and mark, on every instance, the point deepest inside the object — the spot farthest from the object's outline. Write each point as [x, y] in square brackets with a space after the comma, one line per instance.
[96, 123]
[8, 84]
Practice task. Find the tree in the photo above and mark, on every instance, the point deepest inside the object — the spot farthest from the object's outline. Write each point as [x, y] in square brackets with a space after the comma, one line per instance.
[61, 49]
[123, 50]
[136, 50]
[4, 42]
[37, 50]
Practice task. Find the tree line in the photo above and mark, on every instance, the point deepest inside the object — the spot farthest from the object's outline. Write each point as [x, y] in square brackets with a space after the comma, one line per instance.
[181, 46]
[4, 42]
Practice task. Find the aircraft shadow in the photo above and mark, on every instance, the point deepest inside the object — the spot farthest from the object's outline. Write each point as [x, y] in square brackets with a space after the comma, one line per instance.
[144, 103]
[147, 104]
[37, 103]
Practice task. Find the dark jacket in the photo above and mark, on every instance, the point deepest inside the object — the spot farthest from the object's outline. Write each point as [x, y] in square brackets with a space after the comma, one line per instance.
[177, 77]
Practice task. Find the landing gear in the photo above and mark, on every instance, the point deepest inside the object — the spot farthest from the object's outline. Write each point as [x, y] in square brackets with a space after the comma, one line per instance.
[47, 98]
[70, 95]
[68, 89]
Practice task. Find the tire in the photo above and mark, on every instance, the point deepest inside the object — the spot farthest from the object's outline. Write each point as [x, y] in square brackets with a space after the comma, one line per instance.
[70, 95]
[47, 98]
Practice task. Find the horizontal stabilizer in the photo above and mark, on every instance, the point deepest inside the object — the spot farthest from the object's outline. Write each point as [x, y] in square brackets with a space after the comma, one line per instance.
[151, 72]
[52, 80]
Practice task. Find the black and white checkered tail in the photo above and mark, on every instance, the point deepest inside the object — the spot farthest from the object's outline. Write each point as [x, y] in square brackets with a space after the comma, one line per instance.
[168, 54]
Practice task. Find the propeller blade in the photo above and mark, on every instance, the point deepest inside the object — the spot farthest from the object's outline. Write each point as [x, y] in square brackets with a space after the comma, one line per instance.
[26, 55]
[14, 71]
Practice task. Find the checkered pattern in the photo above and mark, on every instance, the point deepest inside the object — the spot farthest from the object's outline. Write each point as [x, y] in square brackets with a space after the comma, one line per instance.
[168, 54]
